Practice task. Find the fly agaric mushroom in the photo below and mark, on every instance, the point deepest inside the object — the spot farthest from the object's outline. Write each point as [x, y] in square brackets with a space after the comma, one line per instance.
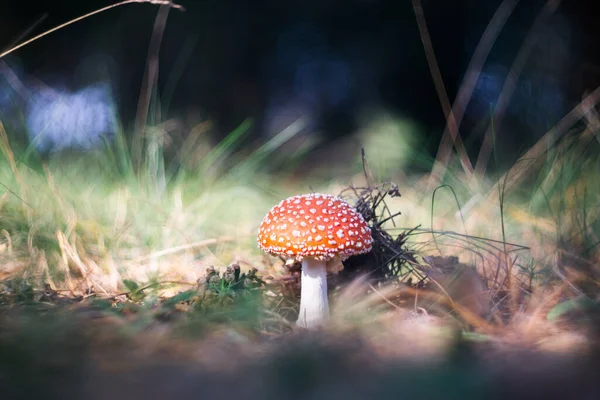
[320, 230]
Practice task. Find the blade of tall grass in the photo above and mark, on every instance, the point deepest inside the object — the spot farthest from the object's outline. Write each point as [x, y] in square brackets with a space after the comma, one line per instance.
[10, 157]
[101, 10]
[531, 157]
[154, 161]
[149, 82]
[118, 156]
[465, 91]
[253, 162]
[510, 85]
[178, 66]
[187, 149]
[593, 122]
[28, 30]
[226, 146]
[440, 88]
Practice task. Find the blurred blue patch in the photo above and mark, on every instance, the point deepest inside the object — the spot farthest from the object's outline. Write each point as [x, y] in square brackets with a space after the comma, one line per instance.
[82, 120]
[488, 89]
[309, 79]
[538, 100]
[323, 82]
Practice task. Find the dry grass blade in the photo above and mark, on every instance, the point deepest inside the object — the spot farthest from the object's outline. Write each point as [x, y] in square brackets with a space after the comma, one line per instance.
[183, 247]
[466, 315]
[439, 86]
[28, 30]
[356, 303]
[122, 3]
[384, 298]
[13, 80]
[8, 73]
[592, 119]
[10, 156]
[69, 252]
[148, 83]
[467, 86]
[510, 85]
[8, 245]
[509, 180]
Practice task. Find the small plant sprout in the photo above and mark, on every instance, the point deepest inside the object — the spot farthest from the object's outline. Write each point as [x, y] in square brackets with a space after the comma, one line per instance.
[321, 231]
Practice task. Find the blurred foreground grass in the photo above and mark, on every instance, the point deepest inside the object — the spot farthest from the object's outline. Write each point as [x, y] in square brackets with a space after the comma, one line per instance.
[53, 356]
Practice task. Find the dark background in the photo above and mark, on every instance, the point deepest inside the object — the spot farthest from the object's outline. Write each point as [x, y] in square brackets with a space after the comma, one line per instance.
[275, 60]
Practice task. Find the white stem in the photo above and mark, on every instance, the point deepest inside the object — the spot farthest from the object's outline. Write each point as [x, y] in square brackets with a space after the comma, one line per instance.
[314, 306]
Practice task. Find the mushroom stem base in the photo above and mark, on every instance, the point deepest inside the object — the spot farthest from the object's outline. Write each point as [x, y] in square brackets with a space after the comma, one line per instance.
[314, 305]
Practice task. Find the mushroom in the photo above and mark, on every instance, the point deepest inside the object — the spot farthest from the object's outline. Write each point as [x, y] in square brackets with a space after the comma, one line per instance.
[321, 231]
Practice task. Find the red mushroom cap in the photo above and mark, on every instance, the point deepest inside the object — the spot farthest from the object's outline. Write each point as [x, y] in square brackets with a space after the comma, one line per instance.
[314, 225]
